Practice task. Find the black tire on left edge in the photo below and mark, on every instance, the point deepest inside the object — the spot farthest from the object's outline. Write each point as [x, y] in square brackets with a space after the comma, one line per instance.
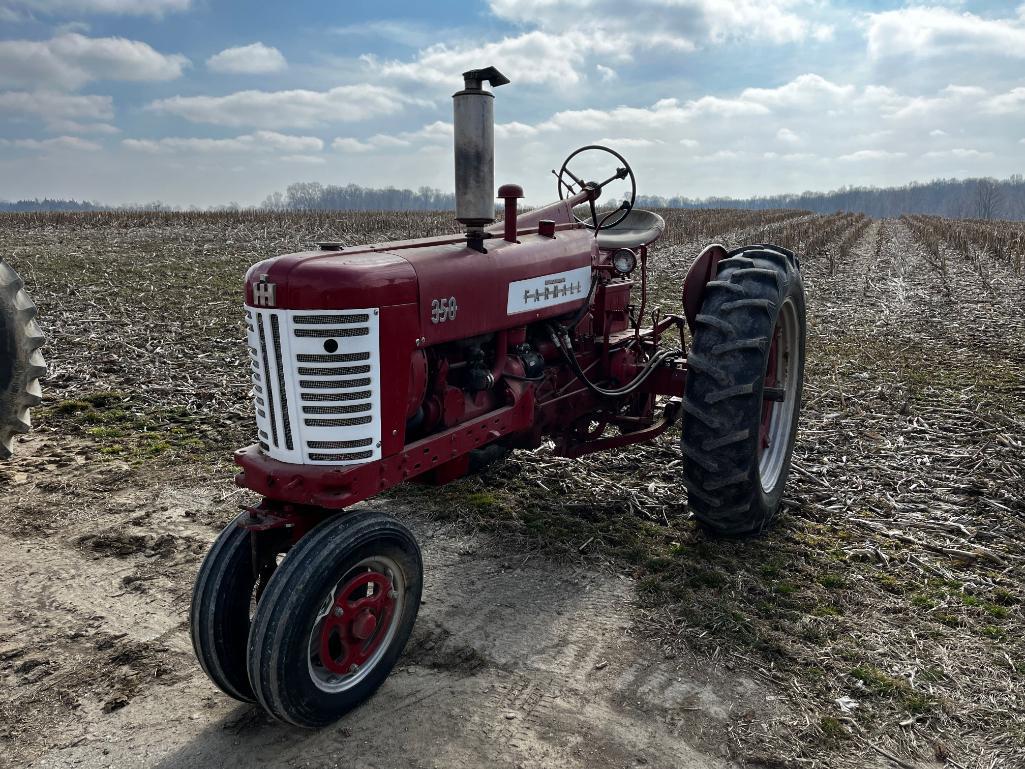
[288, 676]
[219, 617]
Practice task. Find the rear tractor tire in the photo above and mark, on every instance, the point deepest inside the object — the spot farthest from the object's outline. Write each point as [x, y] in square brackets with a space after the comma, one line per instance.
[335, 617]
[743, 391]
[21, 362]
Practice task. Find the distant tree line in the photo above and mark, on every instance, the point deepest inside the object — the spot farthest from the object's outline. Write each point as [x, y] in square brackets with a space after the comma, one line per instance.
[952, 198]
[49, 204]
[312, 196]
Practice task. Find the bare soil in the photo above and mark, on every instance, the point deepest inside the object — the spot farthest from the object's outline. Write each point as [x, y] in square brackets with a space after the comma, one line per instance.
[574, 615]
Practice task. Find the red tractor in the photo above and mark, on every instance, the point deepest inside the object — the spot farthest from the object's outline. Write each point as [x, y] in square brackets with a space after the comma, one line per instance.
[413, 360]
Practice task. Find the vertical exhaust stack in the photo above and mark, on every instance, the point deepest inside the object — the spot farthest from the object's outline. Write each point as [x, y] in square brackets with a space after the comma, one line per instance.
[473, 124]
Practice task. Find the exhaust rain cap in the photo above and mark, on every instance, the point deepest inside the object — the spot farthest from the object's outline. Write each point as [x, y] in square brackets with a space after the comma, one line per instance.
[472, 80]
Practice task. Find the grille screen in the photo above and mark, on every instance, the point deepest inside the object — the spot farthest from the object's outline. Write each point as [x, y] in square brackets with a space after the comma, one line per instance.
[347, 457]
[336, 370]
[285, 422]
[312, 405]
[270, 390]
[327, 384]
[340, 444]
[356, 396]
[352, 408]
[328, 320]
[342, 357]
[338, 422]
[327, 332]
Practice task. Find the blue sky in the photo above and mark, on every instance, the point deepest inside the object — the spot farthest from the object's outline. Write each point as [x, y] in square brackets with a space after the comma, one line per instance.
[207, 101]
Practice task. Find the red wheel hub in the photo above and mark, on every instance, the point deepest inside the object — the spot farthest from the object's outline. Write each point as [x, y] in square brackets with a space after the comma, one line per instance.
[357, 622]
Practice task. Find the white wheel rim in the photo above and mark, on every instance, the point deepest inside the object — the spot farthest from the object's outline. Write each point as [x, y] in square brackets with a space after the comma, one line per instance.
[772, 458]
[333, 683]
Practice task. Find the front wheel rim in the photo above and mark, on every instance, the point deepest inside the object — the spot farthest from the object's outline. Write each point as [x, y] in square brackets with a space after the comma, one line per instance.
[356, 624]
[780, 392]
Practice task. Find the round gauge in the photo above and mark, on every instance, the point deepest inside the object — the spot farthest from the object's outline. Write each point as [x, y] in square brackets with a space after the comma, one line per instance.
[623, 261]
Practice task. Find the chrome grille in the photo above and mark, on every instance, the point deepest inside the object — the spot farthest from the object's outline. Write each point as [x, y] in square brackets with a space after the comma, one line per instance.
[347, 414]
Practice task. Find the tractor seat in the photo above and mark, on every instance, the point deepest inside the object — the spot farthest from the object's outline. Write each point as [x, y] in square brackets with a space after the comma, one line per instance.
[638, 228]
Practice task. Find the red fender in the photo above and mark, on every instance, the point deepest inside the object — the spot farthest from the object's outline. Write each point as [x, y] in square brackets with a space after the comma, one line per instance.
[700, 273]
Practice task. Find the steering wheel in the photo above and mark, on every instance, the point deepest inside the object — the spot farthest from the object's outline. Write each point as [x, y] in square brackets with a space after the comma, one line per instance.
[570, 184]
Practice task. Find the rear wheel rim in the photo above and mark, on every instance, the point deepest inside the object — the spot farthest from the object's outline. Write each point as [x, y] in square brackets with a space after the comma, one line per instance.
[778, 415]
[356, 624]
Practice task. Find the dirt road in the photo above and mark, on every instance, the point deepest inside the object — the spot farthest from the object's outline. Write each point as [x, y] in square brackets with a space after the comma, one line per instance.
[516, 661]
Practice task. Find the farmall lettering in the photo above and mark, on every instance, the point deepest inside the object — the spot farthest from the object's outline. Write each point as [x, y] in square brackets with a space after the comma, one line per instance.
[351, 402]
[548, 290]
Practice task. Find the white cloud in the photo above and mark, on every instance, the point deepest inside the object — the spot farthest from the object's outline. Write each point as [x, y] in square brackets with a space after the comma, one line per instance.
[803, 91]
[959, 153]
[303, 159]
[1007, 103]
[74, 127]
[950, 100]
[565, 40]
[808, 133]
[347, 144]
[688, 21]
[56, 106]
[288, 109]
[253, 59]
[71, 60]
[862, 155]
[155, 8]
[258, 141]
[532, 58]
[933, 31]
[57, 143]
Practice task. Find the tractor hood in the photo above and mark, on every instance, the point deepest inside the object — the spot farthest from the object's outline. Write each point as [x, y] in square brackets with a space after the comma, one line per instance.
[511, 285]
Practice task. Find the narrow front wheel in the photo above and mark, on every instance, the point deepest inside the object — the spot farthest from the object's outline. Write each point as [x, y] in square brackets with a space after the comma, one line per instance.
[335, 617]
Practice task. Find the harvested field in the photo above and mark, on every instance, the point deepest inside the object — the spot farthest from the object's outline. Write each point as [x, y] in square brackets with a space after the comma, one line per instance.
[575, 616]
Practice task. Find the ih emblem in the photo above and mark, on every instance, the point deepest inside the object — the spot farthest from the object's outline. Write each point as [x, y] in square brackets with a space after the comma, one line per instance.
[264, 293]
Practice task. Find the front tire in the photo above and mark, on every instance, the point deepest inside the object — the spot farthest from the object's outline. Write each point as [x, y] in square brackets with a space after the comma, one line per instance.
[222, 598]
[335, 617]
[743, 392]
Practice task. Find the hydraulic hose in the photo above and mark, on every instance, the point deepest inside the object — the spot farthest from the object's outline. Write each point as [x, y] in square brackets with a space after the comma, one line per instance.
[563, 343]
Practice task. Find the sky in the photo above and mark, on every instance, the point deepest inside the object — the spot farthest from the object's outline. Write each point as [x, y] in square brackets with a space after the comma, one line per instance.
[206, 102]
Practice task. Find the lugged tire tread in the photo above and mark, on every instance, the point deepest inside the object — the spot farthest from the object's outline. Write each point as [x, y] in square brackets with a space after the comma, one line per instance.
[742, 304]
[721, 412]
[730, 392]
[22, 391]
[702, 364]
[724, 326]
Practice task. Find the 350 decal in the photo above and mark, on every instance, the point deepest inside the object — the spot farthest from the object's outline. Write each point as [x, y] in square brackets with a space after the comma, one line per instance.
[443, 309]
